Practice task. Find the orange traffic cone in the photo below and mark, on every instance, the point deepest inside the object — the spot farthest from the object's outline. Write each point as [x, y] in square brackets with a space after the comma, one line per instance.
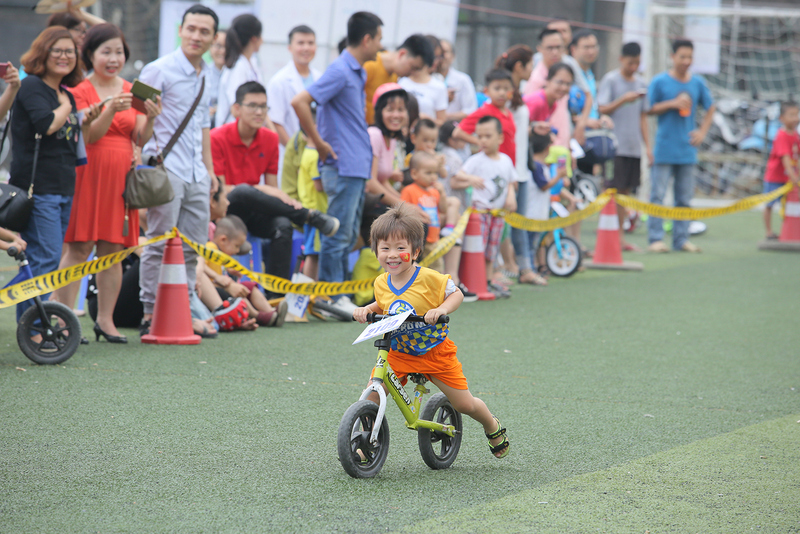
[472, 271]
[172, 319]
[608, 250]
[789, 239]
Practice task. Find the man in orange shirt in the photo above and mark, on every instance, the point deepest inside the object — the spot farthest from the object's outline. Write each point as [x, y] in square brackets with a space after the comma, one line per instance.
[415, 53]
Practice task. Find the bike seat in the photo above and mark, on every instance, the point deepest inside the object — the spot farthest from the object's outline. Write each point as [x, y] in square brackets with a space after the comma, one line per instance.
[417, 378]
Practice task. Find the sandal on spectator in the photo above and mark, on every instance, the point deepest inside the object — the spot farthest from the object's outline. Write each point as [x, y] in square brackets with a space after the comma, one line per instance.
[530, 277]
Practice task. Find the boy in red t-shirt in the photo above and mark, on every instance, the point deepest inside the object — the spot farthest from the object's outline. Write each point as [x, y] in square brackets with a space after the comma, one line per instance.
[783, 159]
[427, 192]
[499, 88]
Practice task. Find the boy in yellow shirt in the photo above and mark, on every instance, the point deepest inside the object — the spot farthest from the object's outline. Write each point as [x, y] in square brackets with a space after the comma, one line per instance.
[397, 238]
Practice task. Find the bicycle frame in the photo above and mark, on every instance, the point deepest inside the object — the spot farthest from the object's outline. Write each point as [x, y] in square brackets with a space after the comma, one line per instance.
[382, 375]
[25, 273]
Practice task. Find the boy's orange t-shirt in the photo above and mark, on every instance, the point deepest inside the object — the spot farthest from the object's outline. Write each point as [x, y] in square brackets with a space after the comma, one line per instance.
[377, 75]
[428, 200]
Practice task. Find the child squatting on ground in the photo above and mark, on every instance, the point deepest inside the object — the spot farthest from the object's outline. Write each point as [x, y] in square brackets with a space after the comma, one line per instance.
[397, 238]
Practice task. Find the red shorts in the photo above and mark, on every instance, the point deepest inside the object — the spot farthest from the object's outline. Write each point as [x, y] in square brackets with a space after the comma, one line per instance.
[440, 362]
[492, 233]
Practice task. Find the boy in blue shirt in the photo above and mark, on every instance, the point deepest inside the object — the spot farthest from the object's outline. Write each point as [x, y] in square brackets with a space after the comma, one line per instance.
[674, 96]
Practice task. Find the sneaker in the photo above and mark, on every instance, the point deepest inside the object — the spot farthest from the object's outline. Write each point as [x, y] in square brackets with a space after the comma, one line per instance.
[469, 296]
[323, 222]
[658, 246]
[344, 306]
[446, 231]
[280, 314]
[144, 328]
[690, 247]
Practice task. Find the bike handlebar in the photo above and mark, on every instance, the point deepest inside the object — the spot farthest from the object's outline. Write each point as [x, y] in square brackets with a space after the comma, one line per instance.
[15, 253]
[374, 318]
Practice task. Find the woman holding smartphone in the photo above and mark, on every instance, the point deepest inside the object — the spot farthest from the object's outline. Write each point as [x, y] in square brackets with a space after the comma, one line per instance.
[10, 75]
[99, 215]
[45, 108]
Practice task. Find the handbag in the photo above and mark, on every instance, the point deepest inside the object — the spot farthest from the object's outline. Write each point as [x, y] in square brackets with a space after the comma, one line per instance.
[148, 186]
[15, 204]
[600, 146]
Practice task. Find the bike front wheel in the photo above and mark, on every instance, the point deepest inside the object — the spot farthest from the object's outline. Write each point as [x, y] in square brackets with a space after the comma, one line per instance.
[359, 457]
[566, 261]
[51, 341]
[439, 450]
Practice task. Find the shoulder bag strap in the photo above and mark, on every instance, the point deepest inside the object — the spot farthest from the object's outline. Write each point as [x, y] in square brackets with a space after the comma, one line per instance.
[5, 130]
[186, 120]
[35, 159]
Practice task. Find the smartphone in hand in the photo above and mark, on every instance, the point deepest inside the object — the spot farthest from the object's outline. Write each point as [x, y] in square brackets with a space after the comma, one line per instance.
[3, 69]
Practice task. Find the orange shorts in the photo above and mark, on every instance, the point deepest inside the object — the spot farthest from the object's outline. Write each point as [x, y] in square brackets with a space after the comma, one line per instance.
[440, 362]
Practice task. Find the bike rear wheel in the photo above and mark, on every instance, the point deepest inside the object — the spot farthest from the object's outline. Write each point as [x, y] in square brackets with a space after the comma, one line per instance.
[568, 261]
[439, 450]
[354, 433]
[60, 333]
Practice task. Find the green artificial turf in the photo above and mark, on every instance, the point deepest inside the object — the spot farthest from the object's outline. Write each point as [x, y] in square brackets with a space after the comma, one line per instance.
[670, 383]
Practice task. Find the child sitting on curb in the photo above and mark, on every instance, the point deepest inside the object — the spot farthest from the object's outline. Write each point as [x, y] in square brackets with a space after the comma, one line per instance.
[216, 287]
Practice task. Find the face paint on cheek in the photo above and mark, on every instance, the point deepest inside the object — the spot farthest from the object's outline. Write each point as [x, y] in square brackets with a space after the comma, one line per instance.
[405, 257]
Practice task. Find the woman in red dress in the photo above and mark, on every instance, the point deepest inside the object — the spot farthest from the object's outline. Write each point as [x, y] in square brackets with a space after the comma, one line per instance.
[98, 214]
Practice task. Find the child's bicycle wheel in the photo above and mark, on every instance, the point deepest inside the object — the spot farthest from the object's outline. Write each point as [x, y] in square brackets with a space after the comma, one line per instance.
[439, 450]
[60, 334]
[568, 261]
[353, 438]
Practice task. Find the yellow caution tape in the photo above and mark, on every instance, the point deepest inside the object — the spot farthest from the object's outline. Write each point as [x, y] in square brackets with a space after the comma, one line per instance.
[516, 220]
[275, 283]
[444, 245]
[691, 214]
[47, 283]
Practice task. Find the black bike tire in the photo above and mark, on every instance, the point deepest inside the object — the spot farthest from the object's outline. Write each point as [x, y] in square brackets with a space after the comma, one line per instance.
[33, 350]
[551, 252]
[361, 413]
[439, 409]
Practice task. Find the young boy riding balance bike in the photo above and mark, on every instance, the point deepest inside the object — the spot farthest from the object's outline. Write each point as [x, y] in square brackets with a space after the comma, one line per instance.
[397, 238]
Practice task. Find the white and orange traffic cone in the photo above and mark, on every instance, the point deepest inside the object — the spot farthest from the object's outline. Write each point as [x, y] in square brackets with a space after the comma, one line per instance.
[789, 239]
[172, 318]
[472, 270]
[608, 249]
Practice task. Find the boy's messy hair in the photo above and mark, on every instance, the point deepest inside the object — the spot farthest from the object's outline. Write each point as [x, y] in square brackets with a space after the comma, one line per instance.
[424, 123]
[419, 158]
[539, 143]
[787, 105]
[446, 132]
[495, 75]
[494, 120]
[401, 221]
[230, 226]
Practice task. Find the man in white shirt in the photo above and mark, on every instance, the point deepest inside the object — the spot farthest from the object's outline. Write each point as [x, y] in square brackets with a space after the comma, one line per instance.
[460, 87]
[295, 77]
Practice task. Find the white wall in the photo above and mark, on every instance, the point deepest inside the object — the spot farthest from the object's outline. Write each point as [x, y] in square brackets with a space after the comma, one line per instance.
[328, 19]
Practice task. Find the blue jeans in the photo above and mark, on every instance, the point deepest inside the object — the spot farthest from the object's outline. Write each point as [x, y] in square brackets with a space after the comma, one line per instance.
[346, 203]
[683, 190]
[519, 238]
[45, 235]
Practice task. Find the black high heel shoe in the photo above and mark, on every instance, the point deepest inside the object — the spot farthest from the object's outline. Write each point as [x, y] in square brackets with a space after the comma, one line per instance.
[111, 339]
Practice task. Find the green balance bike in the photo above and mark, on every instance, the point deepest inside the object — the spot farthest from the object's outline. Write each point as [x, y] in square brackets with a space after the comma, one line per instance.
[363, 439]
